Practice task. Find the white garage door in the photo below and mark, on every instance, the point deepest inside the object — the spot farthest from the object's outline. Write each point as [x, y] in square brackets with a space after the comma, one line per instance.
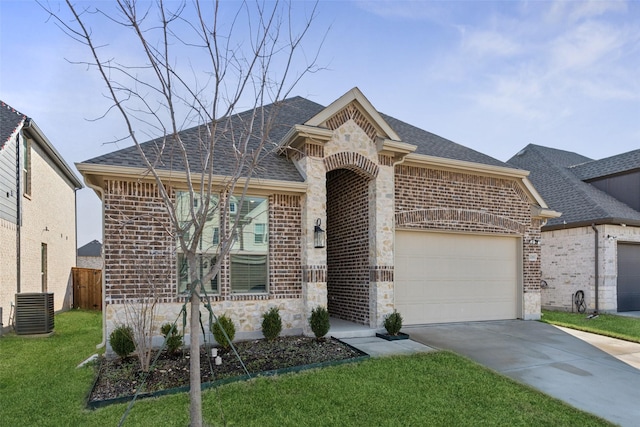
[446, 277]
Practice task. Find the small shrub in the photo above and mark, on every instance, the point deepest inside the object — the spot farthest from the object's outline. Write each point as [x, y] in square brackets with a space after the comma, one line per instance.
[393, 323]
[121, 340]
[225, 323]
[319, 321]
[271, 324]
[173, 337]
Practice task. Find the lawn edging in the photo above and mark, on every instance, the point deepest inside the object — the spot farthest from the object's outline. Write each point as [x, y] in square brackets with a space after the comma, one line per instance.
[212, 384]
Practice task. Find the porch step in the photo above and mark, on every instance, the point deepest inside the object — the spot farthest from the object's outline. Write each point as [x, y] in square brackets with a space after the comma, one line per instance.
[344, 329]
[356, 333]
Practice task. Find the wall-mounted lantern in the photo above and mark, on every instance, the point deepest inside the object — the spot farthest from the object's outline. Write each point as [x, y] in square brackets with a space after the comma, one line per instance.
[318, 235]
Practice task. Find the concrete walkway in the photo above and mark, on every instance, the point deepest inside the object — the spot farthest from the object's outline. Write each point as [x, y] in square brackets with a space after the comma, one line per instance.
[378, 347]
[628, 352]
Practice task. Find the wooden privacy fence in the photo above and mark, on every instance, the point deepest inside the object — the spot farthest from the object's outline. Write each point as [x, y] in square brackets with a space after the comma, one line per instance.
[87, 288]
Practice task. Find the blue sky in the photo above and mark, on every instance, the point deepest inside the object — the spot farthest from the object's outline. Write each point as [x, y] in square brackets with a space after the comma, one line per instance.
[493, 76]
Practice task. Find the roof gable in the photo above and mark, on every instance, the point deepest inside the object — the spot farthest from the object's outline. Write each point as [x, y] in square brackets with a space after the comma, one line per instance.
[10, 121]
[354, 105]
[93, 248]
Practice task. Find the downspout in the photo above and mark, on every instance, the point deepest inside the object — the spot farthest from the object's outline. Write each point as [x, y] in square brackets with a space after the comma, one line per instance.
[597, 269]
[18, 209]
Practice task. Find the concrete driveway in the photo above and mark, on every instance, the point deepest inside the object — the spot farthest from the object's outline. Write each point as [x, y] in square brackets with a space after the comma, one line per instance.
[547, 359]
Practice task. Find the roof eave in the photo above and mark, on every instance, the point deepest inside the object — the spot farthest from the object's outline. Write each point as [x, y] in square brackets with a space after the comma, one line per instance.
[588, 223]
[46, 145]
[95, 174]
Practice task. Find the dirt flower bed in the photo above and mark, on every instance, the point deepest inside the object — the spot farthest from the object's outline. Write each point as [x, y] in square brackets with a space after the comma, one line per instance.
[122, 377]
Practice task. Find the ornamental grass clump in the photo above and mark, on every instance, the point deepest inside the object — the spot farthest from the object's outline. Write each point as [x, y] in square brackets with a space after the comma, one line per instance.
[121, 340]
[271, 324]
[172, 336]
[226, 324]
[393, 323]
[319, 322]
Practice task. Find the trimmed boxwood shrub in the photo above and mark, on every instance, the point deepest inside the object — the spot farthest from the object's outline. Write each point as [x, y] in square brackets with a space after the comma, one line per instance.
[393, 323]
[174, 339]
[319, 321]
[225, 323]
[271, 324]
[121, 340]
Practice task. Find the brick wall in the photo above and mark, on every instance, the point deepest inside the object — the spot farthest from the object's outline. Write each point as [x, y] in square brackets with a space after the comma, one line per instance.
[285, 264]
[139, 249]
[48, 217]
[348, 246]
[94, 262]
[453, 201]
[138, 246]
[435, 199]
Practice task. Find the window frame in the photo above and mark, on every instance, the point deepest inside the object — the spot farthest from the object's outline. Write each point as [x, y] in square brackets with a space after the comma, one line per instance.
[236, 253]
[207, 251]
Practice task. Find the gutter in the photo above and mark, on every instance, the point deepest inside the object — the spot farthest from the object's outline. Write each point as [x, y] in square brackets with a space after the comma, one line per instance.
[597, 270]
[587, 223]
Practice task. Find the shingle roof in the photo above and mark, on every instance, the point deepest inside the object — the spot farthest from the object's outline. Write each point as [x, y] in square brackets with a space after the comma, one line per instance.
[10, 120]
[433, 145]
[609, 166]
[93, 248]
[291, 111]
[579, 202]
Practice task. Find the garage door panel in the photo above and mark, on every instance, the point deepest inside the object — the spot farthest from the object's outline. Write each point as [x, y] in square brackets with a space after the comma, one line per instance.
[444, 277]
[628, 277]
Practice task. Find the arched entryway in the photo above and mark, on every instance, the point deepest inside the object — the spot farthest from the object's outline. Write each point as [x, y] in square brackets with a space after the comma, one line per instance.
[348, 243]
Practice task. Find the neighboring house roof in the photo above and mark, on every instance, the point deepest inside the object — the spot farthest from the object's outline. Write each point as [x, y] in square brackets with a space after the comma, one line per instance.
[624, 162]
[10, 121]
[552, 172]
[291, 111]
[93, 248]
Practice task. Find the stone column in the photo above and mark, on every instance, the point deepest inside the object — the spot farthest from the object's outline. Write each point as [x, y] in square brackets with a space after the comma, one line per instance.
[314, 260]
[381, 232]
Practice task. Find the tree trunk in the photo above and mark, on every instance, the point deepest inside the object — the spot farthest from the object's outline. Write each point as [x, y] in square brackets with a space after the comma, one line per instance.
[195, 392]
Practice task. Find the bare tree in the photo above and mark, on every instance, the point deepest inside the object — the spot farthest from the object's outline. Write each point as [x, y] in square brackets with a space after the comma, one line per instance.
[141, 316]
[197, 64]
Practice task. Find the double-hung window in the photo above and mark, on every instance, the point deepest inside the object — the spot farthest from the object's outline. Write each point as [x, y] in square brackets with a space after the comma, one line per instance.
[207, 246]
[249, 266]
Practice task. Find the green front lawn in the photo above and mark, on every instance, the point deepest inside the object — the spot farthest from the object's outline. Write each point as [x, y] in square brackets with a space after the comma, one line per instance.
[626, 328]
[40, 385]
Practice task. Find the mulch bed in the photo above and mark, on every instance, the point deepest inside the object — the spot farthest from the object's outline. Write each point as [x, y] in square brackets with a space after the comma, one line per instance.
[118, 378]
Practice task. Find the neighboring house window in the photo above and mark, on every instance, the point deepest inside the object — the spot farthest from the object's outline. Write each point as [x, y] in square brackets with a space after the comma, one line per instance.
[207, 248]
[260, 233]
[26, 166]
[249, 252]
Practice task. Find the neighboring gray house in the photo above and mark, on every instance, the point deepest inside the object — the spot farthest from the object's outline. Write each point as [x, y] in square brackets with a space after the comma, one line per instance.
[37, 213]
[90, 255]
[595, 245]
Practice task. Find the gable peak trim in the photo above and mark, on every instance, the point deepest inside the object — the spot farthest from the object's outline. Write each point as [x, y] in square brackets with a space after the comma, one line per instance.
[362, 104]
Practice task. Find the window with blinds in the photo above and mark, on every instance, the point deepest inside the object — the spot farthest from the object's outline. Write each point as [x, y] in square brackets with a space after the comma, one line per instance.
[249, 253]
